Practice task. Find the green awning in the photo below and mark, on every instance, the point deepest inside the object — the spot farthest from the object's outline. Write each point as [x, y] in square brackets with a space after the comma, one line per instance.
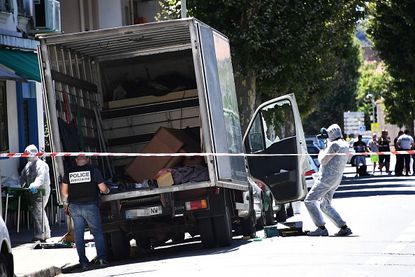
[23, 63]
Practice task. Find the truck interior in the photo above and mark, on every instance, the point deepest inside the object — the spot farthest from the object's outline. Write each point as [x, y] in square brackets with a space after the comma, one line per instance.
[145, 93]
[119, 90]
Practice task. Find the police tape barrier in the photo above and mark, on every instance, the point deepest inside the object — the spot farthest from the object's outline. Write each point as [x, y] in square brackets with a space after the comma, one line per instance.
[104, 154]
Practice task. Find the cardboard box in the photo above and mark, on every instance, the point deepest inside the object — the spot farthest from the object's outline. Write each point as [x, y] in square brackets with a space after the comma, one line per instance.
[165, 180]
[165, 140]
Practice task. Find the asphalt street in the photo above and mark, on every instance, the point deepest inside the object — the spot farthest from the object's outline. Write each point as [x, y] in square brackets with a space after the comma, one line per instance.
[379, 209]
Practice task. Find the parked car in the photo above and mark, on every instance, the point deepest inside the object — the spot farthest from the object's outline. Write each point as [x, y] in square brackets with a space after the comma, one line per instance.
[271, 212]
[352, 152]
[266, 216]
[311, 140]
[314, 169]
[6, 256]
[313, 150]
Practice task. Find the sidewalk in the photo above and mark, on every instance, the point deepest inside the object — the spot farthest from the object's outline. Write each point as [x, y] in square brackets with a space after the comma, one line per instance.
[32, 262]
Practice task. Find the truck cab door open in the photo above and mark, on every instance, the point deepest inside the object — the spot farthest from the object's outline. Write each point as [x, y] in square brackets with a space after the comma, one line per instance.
[276, 128]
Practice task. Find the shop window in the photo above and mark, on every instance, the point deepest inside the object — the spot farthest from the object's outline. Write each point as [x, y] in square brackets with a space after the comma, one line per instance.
[4, 132]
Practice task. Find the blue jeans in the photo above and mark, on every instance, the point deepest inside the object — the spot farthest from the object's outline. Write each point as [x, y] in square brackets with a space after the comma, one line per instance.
[87, 214]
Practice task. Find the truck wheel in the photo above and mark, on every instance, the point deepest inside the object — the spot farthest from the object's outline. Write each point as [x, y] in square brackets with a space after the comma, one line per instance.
[248, 224]
[178, 237]
[143, 243]
[290, 210]
[261, 221]
[206, 232]
[119, 245]
[5, 267]
[281, 215]
[222, 226]
[269, 215]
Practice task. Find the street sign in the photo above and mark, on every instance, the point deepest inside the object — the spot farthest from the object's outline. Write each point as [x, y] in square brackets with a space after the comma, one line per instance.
[354, 123]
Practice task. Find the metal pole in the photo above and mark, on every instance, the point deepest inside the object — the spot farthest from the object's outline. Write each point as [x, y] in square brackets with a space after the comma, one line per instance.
[183, 11]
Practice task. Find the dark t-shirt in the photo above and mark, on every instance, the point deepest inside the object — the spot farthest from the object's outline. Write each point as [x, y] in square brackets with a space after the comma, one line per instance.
[83, 183]
[359, 146]
[384, 144]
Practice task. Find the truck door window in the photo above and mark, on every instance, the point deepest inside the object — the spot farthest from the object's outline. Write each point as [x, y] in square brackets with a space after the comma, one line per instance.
[256, 136]
[278, 121]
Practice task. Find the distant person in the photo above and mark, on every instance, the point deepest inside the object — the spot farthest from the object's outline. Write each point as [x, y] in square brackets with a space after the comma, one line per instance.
[360, 161]
[399, 158]
[35, 176]
[81, 186]
[374, 149]
[413, 159]
[319, 198]
[405, 142]
[384, 160]
[347, 138]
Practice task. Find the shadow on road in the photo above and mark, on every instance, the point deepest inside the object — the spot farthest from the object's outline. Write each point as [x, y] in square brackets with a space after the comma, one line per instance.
[370, 186]
[375, 179]
[189, 247]
[376, 186]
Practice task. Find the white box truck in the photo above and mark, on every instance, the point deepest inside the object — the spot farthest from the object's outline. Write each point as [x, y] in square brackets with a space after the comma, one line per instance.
[119, 86]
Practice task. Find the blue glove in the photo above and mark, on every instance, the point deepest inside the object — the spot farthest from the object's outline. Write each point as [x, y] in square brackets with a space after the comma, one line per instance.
[33, 190]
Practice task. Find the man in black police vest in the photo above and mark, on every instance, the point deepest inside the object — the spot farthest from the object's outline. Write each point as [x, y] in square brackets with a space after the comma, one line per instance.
[81, 186]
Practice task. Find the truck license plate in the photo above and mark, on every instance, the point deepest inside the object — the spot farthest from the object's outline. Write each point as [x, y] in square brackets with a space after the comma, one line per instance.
[143, 212]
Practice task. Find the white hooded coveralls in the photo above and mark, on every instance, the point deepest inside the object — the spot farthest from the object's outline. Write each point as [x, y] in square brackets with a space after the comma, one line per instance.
[329, 177]
[35, 174]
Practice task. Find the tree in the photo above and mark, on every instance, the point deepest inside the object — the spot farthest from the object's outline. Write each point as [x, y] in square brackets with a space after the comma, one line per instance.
[391, 27]
[280, 46]
[373, 80]
[343, 85]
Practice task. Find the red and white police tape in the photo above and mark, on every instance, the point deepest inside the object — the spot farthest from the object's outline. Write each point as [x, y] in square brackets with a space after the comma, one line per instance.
[105, 154]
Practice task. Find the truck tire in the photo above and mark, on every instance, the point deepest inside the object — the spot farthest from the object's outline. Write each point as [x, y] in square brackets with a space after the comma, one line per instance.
[6, 269]
[269, 215]
[248, 224]
[290, 210]
[222, 226]
[178, 237]
[206, 232]
[118, 246]
[281, 215]
[143, 243]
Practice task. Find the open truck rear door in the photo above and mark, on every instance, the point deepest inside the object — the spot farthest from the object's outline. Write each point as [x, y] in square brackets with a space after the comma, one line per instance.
[276, 128]
[222, 106]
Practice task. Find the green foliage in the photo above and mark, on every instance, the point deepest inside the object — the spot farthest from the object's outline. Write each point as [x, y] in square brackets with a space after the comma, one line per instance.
[295, 46]
[392, 29]
[170, 9]
[330, 107]
[373, 80]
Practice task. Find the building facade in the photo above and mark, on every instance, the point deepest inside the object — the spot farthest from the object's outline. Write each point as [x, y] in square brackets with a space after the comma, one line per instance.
[21, 102]
[22, 120]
